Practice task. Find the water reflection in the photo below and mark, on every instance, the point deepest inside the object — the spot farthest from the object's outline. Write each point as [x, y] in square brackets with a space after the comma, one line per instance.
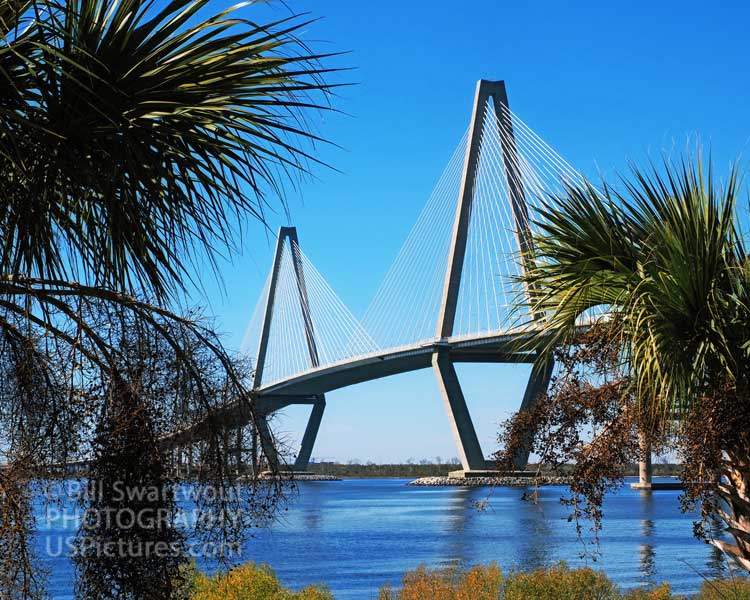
[646, 548]
[520, 529]
[312, 514]
[646, 552]
[460, 505]
[534, 550]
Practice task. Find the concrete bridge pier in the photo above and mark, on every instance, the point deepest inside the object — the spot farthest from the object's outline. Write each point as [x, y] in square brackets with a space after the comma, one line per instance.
[176, 461]
[268, 449]
[541, 373]
[288, 237]
[238, 450]
[470, 451]
[311, 433]
[645, 470]
[467, 443]
[254, 448]
[190, 460]
[225, 447]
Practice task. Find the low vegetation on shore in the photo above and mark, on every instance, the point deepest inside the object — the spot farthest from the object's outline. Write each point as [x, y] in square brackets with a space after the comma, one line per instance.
[253, 582]
[248, 582]
[439, 469]
[372, 470]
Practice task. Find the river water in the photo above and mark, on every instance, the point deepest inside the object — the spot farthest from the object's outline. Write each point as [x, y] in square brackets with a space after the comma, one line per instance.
[354, 535]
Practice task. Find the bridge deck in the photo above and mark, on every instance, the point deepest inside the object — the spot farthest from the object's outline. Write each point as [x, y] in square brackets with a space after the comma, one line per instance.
[304, 387]
[495, 347]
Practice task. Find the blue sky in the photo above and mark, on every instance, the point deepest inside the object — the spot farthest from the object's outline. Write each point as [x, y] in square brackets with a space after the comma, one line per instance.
[603, 83]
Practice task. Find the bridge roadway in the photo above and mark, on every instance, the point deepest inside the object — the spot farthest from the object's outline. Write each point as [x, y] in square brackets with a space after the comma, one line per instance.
[307, 387]
[496, 347]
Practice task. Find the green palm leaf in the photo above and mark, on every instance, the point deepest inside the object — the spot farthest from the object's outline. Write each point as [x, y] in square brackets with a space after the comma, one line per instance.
[665, 258]
[143, 135]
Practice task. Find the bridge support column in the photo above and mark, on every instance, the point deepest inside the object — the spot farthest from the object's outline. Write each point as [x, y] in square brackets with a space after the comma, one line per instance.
[469, 450]
[311, 433]
[267, 444]
[238, 450]
[541, 373]
[254, 448]
[471, 454]
[645, 471]
[286, 234]
[176, 455]
[225, 448]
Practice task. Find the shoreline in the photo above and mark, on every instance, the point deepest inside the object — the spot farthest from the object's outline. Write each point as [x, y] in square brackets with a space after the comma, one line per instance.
[505, 481]
[442, 480]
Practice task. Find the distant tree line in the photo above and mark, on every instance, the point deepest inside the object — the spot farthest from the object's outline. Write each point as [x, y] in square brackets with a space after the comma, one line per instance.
[426, 468]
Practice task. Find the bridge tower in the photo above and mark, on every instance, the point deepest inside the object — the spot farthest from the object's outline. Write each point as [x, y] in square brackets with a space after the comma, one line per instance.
[442, 353]
[288, 237]
[467, 443]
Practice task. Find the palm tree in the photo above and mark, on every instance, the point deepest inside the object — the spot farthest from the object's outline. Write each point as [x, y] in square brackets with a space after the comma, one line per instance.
[136, 139]
[134, 136]
[665, 256]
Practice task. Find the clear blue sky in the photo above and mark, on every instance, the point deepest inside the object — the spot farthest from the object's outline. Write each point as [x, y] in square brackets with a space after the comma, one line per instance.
[601, 82]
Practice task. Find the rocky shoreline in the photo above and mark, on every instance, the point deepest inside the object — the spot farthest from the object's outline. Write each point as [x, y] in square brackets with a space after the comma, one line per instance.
[291, 476]
[509, 481]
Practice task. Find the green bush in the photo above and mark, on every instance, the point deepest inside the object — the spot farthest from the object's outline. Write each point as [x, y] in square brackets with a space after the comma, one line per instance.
[251, 582]
[737, 588]
[661, 592]
[559, 583]
[487, 583]
[479, 583]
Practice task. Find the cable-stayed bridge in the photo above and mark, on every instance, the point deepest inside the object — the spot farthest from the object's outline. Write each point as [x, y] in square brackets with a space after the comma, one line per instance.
[452, 294]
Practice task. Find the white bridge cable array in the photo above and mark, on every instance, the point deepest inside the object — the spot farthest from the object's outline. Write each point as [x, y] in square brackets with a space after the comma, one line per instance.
[404, 312]
[489, 288]
[405, 307]
[250, 340]
[545, 176]
[544, 173]
[334, 331]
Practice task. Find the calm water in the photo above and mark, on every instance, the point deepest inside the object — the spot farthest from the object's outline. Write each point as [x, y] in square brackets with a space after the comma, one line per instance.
[357, 534]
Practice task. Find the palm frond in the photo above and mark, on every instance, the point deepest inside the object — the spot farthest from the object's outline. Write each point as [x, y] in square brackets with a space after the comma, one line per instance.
[665, 257]
[147, 135]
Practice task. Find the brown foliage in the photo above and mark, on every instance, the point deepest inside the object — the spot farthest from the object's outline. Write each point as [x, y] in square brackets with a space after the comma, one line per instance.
[588, 426]
[714, 440]
[61, 399]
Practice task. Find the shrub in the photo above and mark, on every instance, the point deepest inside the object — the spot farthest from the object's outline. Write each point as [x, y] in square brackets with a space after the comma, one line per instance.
[737, 588]
[479, 583]
[258, 582]
[487, 583]
[661, 592]
[252, 582]
[559, 583]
